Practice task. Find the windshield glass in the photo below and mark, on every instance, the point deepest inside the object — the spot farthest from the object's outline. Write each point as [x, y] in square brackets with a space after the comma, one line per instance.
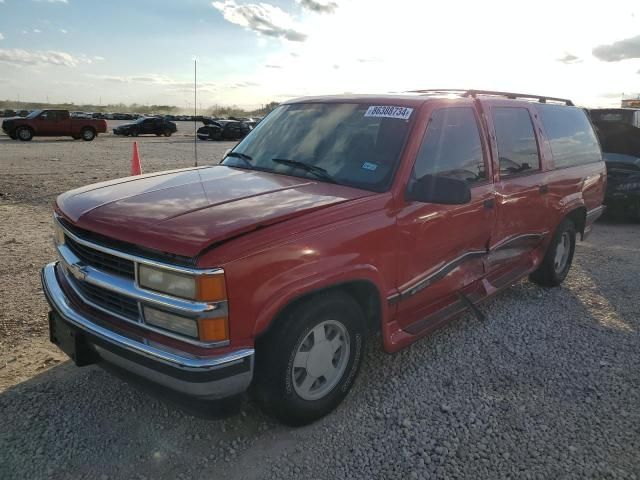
[350, 144]
[34, 114]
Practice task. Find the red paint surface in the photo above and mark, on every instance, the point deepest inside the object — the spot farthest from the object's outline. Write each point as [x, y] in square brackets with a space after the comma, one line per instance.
[281, 237]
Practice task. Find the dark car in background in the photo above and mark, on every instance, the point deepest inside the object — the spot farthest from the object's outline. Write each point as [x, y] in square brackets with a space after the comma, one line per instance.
[619, 133]
[147, 126]
[223, 130]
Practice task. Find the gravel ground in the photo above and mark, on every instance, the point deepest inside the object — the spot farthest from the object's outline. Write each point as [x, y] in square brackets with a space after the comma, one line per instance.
[547, 387]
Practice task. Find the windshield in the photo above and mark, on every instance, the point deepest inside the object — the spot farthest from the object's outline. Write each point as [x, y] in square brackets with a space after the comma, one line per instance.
[34, 114]
[350, 144]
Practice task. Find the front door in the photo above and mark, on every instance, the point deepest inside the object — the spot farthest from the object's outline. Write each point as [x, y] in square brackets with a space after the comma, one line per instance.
[442, 247]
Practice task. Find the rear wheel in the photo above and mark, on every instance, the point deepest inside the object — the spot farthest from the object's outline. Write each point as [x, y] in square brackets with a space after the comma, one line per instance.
[134, 132]
[88, 134]
[557, 261]
[308, 363]
[24, 133]
[167, 133]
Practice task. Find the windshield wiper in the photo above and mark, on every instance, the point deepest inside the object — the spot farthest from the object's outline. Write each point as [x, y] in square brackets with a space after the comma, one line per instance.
[242, 156]
[317, 171]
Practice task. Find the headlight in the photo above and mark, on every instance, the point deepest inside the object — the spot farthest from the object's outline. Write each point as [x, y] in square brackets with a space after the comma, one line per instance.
[169, 321]
[210, 288]
[58, 233]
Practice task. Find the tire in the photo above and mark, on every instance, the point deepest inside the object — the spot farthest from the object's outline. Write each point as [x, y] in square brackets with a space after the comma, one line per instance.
[134, 133]
[298, 395]
[88, 134]
[557, 261]
[167, 133]
[24, 134]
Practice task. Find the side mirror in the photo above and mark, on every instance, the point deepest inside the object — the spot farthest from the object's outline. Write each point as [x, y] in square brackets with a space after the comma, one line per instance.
[436, 189]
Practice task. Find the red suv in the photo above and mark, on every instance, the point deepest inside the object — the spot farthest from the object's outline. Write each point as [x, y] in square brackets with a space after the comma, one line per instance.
[334, 218]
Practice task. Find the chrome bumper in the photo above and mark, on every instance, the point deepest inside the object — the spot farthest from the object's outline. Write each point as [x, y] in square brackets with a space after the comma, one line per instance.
[212, 377]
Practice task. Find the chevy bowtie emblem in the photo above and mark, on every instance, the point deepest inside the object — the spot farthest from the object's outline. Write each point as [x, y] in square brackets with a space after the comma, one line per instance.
[80, 272]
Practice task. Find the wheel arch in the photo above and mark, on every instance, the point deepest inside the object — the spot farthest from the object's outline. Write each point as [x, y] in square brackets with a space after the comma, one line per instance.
[364, 291]
[578, 216]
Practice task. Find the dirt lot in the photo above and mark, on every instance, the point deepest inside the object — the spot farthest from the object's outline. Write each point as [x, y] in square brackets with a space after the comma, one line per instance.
[547, 387]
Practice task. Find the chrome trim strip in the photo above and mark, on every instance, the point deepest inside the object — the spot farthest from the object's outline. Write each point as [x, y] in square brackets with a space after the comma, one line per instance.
[128, 287]
[137, 259]
[448, 267]
[525, 236]
[595, 212]
[439, 274]
[56, 296]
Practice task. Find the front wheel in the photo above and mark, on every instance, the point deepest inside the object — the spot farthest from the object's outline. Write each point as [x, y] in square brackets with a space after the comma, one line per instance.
[24, 133]
[308, 363]
[557, 261]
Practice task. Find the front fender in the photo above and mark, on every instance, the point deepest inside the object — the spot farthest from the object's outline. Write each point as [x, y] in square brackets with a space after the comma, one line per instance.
[317, 282]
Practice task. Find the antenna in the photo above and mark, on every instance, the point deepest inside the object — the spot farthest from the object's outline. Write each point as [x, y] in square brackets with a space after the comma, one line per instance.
[195, 110]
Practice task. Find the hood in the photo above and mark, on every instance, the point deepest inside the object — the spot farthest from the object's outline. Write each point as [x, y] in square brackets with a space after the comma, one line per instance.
[8, 119]
[185, 211]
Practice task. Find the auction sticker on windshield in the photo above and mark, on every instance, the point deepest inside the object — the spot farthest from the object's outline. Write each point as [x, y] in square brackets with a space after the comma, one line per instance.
[387, 111]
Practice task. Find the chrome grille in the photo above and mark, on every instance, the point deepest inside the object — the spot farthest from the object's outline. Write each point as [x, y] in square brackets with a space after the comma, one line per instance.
[108, 300]
[100, 260]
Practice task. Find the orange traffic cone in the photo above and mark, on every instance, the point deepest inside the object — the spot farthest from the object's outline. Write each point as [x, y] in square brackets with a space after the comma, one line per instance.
[136, 169]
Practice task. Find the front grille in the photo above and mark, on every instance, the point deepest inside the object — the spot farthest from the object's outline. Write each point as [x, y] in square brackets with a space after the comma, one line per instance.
[111, 301]
[100, 260]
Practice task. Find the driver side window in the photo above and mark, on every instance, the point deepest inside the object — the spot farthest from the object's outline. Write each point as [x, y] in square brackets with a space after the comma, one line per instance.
[452, 147]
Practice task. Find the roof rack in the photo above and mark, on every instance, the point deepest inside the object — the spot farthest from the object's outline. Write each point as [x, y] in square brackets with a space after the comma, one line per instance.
[474, 93]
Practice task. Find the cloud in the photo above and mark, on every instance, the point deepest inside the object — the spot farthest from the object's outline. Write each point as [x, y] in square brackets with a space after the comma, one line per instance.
[568, 58]
[273, 66]
[620, 50]
[37, 30]
[318, 6]
[98, 58]
[53, 1]
[63, 30]
[1, 36]
[17, 56]
[261, 18]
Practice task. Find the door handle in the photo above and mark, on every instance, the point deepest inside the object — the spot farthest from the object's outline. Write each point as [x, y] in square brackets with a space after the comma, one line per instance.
[489, 204]
[543, 189]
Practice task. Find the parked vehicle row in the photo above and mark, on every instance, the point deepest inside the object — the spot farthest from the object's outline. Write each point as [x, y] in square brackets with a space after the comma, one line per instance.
[339, 217]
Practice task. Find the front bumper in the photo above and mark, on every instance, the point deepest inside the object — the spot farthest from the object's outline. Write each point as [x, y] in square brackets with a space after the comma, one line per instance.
[212, 377]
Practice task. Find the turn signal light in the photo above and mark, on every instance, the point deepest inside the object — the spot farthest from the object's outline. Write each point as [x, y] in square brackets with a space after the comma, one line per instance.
[213, 329]
[211, 288]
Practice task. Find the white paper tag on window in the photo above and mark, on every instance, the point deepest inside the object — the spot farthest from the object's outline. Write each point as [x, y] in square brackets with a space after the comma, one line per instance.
[402, 113]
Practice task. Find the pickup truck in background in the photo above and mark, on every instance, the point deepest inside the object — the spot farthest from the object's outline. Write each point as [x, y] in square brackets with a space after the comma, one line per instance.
[52, 123]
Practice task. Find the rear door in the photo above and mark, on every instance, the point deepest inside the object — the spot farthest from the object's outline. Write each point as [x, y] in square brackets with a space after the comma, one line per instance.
[522, 184]
[442, 247]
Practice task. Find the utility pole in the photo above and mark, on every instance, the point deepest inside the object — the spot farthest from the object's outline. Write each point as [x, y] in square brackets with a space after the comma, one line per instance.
[195, 109]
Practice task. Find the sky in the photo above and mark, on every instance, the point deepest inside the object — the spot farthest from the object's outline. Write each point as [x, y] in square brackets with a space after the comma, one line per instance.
[251, 52]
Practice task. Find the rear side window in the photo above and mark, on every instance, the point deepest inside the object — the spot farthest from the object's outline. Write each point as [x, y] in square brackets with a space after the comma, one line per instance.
[451, 147]
[517, 146]
[572, 139]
